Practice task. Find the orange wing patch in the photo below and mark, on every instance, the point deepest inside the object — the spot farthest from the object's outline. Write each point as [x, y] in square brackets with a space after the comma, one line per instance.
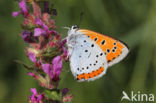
[92, 74]
[111, 47]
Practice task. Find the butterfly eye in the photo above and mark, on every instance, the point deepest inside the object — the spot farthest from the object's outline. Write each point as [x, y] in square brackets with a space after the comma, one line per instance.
[75, 27]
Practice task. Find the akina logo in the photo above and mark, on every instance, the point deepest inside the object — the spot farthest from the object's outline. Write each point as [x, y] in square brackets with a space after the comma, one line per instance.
[137, 96]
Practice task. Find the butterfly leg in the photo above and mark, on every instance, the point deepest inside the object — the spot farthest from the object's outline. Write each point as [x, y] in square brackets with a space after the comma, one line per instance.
[71, 42]
[70, 50]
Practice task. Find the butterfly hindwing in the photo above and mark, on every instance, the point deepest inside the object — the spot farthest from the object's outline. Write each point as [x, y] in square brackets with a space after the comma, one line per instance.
[115, 50]
[87, 61]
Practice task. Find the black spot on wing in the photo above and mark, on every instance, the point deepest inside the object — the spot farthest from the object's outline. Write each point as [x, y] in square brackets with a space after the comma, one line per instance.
[108, 50]
[103, 42]
[95, 39]
[101, 54]
[92, 45]
[86, 50]
[97, 56]
[113, 50]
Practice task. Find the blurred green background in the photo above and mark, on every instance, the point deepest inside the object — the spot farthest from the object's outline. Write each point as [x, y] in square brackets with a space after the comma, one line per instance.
[132, 21]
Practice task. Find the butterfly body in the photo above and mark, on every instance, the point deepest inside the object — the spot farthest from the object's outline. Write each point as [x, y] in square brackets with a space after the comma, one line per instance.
[91, 53]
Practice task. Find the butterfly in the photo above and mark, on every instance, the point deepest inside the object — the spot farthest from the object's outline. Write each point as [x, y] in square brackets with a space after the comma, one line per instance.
[91, 53]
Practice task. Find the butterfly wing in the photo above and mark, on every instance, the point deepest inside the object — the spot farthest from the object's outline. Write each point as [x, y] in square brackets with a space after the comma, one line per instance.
[115, 50]
[87, 60]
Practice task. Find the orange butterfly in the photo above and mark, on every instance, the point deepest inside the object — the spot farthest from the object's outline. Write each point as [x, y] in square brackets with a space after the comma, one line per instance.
[91, 53]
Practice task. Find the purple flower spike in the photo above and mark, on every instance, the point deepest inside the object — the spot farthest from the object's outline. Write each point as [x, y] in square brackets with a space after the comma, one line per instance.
[57, 66]
[47, 69]
[16, 13]
[39, 31]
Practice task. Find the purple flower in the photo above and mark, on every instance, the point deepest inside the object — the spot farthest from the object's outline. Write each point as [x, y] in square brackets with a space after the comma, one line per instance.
[23, 10]
[23, 7]
[40, 97]
[54, 70]
[47, 69]
[28, 37]
[65, 52]
[40, 23]
[31, 52]
[16, 13]
[64, 91]
[32, 74]
[54, 12]
[35, 98]
[53, 32]
[34, 91]
[57, 67]
[32, 57]
[62, 43]
[39, 31]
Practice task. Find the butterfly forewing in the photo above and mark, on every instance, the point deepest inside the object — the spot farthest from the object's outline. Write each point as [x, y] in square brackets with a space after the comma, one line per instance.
[114, 50]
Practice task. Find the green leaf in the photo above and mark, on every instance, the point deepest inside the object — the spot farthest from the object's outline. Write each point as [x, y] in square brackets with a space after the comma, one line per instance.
[24, 64]
[54, 95]
[30, 68]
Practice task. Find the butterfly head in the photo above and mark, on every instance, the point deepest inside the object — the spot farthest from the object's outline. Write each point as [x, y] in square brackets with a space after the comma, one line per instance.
[73, 30]
[74, 27]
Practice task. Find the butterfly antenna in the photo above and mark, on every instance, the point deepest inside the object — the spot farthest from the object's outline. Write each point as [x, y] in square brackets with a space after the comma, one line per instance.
[81, 16]
[68, 28]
